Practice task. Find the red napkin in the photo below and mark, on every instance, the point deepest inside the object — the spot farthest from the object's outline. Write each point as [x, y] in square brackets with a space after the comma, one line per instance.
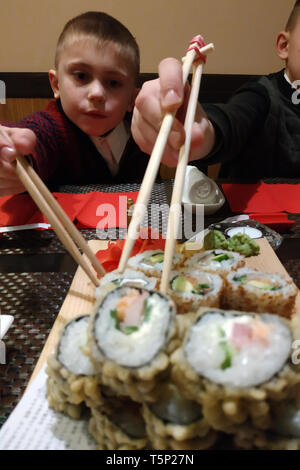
[277, 221]
[110, 257]
[93, 210]
[105, 210]
[71, 204]
[285, 195]
[17, 210]
[263, 198]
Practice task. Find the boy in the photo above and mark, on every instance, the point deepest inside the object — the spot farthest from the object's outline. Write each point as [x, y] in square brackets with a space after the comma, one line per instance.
[255, 135]
[83, 135]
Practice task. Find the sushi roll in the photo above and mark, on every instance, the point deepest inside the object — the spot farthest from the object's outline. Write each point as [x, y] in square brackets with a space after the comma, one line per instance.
[71, 382]
[174, 422]
[118, 425]
[216, 261]
[131, 277]
[151, 262]
[255, 291]
[284, 432]
[129, 337]
[235, 364]
[193, 289]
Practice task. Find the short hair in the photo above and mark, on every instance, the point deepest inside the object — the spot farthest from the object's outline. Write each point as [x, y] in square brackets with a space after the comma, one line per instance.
[104, 28]
[291, 23]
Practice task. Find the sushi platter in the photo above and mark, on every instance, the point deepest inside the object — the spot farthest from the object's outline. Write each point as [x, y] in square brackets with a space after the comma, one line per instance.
[117, 396]
[80, 298]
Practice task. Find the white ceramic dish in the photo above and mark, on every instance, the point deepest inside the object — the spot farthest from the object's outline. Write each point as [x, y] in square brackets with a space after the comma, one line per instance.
[5, 324]
[199, 190]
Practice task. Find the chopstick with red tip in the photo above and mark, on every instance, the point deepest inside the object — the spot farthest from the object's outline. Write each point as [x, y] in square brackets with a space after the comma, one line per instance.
[154, 162]
[175, 207]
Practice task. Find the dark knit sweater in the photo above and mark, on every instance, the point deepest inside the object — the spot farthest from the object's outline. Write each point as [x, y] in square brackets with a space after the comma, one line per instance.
[258, 130]
[66, 155]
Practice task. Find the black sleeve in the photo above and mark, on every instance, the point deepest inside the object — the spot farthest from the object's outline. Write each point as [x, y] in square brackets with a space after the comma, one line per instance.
[237, 122]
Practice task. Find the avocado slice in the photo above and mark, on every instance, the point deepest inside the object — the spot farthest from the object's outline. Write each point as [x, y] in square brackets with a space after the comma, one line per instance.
[182, 284]
[263, 285]
[156, 258]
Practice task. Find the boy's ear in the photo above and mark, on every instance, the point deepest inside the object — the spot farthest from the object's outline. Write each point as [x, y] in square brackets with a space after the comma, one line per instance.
[282, 45]
[54, 82]
[133, 98]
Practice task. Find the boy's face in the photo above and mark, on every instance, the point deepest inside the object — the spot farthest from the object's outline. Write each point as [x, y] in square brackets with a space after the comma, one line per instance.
[95, 85]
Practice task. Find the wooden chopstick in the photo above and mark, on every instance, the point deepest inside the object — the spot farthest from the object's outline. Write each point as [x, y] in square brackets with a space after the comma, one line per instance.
[62, 225]
[175, 207]
[153, 166]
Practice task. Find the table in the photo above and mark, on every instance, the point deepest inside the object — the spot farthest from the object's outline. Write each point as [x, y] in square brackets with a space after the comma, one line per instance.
[36, 273]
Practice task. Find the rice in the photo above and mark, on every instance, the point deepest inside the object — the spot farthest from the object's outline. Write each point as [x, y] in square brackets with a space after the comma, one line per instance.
[70, 348]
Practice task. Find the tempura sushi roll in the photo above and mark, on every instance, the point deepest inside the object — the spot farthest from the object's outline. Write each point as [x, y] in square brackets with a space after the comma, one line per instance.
[234, 364]
[131, 277]
[216, 261]
[130, 333]
[284, 432]
[174, 422]
[118, 425]
[254, 291]
[193, 289]
[71, 382]
[151, 262]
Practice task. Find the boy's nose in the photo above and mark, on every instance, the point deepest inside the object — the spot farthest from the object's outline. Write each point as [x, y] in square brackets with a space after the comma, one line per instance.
[96, 91]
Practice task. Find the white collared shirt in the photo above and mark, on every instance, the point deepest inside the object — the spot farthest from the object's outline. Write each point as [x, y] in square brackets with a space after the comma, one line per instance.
[289, 81]
[113, 145]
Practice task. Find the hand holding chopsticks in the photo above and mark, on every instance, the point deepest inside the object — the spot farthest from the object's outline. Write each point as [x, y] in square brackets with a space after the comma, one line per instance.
[196, 49]
[62, 225]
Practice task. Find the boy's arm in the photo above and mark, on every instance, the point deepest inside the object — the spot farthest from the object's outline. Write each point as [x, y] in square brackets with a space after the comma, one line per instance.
[220, 133]
[37, 135]
[237, 123]
[20, 141]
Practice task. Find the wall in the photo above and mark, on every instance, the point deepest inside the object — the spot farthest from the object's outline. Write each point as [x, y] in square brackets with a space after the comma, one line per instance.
[243, 31]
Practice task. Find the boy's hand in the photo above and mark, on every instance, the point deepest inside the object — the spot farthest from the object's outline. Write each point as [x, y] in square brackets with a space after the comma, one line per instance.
[167, 94]
[22, 141]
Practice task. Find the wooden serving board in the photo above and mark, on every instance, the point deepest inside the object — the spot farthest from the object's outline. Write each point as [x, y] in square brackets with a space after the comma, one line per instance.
[79, 300]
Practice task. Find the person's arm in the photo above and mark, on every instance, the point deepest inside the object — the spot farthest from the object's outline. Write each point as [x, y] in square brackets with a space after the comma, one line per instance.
[167, 94]
[37, 135]
[20, 141]
[238, 122]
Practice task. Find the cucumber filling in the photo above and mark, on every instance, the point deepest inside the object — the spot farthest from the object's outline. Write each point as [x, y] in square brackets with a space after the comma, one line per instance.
[152, 260]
